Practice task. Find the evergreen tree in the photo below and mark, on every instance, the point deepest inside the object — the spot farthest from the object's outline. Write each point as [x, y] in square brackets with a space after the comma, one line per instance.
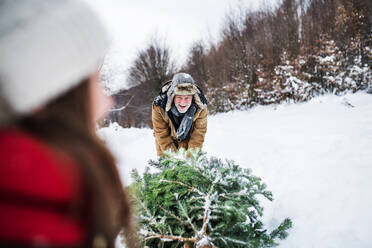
[198, 202]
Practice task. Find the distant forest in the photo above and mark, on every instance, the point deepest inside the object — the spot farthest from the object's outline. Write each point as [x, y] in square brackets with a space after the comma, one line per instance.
[301, 49]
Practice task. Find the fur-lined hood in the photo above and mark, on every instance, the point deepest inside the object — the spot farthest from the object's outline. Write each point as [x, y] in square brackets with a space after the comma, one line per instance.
[181, 84]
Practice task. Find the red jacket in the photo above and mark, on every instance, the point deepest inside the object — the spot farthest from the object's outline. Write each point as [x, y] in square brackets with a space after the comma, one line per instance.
[38, 191]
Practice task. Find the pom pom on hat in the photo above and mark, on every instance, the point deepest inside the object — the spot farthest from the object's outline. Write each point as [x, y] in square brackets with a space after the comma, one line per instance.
[46, 48]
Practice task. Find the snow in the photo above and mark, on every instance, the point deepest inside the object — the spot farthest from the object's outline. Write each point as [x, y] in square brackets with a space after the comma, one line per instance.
[315, 157]
[132, 147]
[203, 242]
[327, 59]
[301, 61]
[167, 240]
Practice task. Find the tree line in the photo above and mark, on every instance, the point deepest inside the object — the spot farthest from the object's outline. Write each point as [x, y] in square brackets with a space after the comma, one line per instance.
[291, 53]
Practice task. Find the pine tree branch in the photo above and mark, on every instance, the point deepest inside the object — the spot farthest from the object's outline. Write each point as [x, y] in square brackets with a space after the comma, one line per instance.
[178, 243]
[179, 238]
[188, 218]
[207, 212]
[185, 185]
[152, 218]
[174, 216]
[207, 208]
[232, 240]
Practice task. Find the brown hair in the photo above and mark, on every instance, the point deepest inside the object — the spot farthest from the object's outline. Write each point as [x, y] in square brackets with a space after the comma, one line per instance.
[66, 125]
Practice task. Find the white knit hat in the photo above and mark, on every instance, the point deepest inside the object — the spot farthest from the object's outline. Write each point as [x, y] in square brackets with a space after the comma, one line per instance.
[46, 48]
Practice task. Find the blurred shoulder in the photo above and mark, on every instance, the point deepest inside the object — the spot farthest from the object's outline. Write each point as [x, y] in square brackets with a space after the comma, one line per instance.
[13, 141]
[31, 166]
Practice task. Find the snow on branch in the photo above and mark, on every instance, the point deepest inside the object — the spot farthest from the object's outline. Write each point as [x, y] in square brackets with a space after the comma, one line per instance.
[215, 205]
[123, 107]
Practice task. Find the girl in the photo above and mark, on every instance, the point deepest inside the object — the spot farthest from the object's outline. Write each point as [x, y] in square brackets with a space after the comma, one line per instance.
[59, 186]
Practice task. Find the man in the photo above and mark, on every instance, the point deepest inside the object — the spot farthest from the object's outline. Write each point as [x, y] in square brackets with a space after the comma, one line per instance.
[179, 115]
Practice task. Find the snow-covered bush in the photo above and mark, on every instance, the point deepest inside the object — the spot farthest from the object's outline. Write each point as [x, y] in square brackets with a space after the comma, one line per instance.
[327, 69]
[198, 202]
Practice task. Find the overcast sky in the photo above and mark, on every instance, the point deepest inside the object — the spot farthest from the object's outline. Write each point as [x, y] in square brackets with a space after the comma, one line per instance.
[132, 23]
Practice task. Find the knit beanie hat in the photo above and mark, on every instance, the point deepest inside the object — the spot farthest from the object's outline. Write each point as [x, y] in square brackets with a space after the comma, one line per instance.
[183, 84]
[46, 48]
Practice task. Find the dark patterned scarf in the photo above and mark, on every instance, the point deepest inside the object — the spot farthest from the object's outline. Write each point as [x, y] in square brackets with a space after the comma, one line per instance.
[183, 122]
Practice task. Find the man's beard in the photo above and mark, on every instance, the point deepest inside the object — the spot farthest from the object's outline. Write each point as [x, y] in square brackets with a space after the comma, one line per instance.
[184, 110]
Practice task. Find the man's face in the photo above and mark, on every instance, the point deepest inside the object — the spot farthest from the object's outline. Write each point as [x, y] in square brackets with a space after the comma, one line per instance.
[182, 103]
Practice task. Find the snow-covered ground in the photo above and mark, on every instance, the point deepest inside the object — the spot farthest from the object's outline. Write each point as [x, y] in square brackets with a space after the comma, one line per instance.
[315, 157]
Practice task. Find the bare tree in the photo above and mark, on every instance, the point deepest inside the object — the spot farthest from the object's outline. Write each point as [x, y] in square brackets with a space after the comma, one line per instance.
[196, 63]
[152, 66]
[150, 69]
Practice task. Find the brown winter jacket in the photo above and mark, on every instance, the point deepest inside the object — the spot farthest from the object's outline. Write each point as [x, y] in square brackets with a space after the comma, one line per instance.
[165, 132]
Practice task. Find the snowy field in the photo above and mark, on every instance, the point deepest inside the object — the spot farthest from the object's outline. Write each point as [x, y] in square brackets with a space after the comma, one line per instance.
[315, 157]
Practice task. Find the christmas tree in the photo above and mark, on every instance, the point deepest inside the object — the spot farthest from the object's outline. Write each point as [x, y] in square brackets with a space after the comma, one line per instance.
[189, 200]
